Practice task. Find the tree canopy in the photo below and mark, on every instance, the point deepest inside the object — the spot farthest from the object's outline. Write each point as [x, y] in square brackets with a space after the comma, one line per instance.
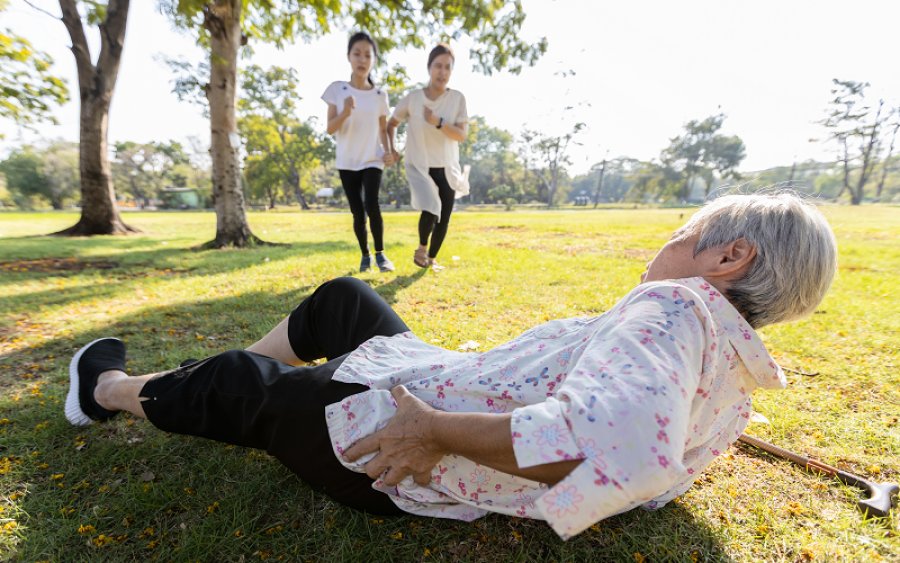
[225, 26]
[28, 89]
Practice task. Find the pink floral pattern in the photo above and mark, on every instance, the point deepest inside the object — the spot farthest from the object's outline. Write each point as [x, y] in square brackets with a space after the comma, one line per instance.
[647, 394]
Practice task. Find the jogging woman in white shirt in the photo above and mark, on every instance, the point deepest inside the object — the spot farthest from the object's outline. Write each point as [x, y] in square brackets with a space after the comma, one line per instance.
[357, 113]
[438, 122]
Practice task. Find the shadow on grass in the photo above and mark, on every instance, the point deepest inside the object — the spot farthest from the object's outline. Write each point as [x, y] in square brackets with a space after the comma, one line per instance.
[388, 291]
[136, 266]
[124, 490]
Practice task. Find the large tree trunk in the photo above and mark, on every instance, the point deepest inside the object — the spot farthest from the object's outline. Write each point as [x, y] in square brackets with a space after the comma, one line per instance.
[223, 20]
[99, 212]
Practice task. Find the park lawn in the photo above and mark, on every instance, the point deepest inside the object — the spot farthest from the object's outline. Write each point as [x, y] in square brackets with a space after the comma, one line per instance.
[126, 491]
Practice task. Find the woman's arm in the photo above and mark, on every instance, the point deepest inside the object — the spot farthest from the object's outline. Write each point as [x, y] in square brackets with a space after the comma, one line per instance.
[455, 131]
[389, 157]
[390, 130]
[335, 119]
[417, 437]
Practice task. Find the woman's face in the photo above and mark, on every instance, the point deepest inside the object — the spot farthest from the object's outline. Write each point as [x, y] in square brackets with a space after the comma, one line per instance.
[440, 70]
[362, 58]
[676, 260]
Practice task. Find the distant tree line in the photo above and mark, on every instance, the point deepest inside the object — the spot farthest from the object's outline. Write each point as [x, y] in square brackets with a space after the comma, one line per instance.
[286, 161]
[259, 150]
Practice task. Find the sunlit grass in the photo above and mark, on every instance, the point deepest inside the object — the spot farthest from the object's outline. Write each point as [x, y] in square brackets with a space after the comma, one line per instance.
[126, 491]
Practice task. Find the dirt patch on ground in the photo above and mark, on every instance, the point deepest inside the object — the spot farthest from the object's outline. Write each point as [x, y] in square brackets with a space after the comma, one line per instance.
[48, 265]
[506, 228]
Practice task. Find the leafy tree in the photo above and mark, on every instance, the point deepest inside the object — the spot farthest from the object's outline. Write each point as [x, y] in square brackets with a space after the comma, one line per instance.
[24, 179]
[651, 181]
[280, 149]
[60, 166]
[859, 129]
[702, 151]
[144, 169]
[96, 84]
[489, 152]
[49, 173]
[27, 89]
[549, 155]
[227, 25]
[609, 180]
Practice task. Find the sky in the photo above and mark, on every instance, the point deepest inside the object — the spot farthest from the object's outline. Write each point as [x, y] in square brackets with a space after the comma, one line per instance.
[633, 71]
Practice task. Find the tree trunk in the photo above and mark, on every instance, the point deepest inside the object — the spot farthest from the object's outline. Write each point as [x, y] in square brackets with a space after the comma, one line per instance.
[885, 164]
[868, 154]
[99, 212]
[686, 192]
[845, 185]
[295, 185]
[599, 184]
[223, 20]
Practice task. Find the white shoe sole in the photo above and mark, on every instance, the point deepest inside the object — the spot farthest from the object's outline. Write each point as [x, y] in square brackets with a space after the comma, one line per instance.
[74, 414]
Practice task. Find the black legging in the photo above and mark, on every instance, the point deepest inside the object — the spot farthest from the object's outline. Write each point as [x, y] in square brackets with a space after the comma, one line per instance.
[428, 222]
[251, 400]
[355, 183]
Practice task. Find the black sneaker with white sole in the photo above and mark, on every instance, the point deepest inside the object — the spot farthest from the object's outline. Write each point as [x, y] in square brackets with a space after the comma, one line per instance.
[86, 366]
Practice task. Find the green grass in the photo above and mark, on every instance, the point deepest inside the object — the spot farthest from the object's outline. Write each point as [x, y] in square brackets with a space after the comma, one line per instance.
[126, 491]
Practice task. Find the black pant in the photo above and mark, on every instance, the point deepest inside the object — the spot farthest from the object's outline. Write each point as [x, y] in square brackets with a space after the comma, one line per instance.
[428, 222]
[361, 187]
[251, 400]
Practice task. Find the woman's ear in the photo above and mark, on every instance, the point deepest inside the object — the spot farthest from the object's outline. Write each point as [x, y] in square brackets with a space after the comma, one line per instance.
[734, 258]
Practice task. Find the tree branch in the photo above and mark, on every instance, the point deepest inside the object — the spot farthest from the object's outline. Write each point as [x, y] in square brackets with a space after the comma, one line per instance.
[39, 9]
[112, 39]
[80, 49]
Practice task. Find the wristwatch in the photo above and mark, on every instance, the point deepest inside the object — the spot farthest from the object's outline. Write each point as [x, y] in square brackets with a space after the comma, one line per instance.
[440, 123]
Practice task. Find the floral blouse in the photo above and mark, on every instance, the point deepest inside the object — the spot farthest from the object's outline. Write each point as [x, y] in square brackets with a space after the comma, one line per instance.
[647, 394]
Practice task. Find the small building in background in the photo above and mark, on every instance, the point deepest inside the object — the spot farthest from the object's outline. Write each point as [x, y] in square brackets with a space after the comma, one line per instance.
[180, 198]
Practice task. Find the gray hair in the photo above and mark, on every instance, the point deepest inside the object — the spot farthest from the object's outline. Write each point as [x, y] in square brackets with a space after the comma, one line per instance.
[796, 253]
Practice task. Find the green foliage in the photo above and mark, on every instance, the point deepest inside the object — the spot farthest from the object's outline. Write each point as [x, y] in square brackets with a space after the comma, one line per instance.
[490, 153]
[702, 152]
[48, 174]
[153, 494]
[142, 170]
[547, 156]
[282, 152]
[28, 90]
[22, 170]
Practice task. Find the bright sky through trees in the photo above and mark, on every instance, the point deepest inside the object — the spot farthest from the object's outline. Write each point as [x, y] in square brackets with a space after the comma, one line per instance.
[641, 70]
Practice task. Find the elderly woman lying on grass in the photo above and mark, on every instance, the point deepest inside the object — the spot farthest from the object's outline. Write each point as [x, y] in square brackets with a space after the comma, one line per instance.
[573, 421]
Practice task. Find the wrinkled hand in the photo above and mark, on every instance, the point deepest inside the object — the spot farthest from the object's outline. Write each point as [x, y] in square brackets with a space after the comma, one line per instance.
[403, 446]
[430, 117]
[349, 105]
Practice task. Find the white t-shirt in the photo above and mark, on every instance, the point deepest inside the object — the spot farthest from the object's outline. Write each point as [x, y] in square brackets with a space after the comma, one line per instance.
[451, 105]
[358, 143]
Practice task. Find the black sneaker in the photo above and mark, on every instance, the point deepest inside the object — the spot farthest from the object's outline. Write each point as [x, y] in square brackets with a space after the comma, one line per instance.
[87, 364]
[366, 263]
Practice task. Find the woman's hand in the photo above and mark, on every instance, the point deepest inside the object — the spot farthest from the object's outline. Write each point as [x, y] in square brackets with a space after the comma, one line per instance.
[391, 158]
[430, 117]
[349, 106]
[405, 446]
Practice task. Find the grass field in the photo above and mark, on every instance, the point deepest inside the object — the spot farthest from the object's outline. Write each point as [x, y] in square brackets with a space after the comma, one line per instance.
[126, 491]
